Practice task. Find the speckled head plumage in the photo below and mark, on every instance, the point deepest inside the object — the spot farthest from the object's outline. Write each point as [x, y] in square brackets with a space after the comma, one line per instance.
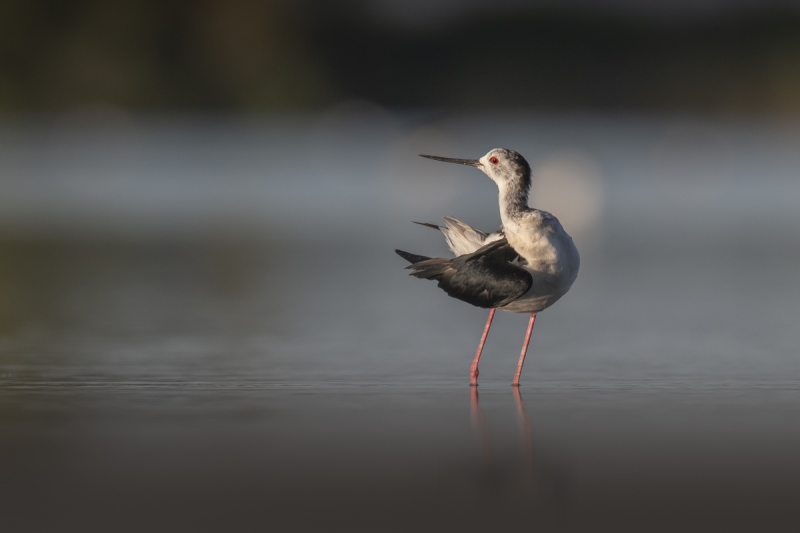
[508, 169]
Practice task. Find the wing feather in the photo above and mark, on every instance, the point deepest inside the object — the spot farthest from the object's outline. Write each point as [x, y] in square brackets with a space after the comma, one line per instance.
[485, 278]
[461, 237]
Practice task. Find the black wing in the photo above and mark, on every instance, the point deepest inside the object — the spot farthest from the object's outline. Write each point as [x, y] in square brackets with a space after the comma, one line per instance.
[485, 278]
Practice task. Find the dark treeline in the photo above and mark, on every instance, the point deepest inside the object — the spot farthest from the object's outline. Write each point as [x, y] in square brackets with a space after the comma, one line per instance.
[247, 55]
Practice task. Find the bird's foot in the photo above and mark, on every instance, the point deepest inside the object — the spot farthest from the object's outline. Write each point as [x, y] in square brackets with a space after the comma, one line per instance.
[473, 377]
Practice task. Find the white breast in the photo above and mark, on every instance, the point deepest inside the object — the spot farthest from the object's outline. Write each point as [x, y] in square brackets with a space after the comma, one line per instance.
[550, 256]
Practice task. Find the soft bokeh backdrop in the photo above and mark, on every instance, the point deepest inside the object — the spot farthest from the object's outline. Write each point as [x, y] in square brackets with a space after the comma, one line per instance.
[203, 325]
[249, 55]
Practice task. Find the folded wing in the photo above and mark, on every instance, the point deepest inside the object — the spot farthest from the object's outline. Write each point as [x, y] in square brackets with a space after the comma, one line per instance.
[484, 278]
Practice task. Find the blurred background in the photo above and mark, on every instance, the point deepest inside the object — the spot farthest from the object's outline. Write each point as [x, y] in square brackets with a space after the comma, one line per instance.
[203, 324]
[249, 56]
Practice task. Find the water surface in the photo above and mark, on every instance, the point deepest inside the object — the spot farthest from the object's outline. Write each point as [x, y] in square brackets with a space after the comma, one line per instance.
[173, 358]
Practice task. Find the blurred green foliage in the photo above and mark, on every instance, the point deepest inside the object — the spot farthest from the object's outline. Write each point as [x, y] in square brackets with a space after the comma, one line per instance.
[151, 54]
[253, 55]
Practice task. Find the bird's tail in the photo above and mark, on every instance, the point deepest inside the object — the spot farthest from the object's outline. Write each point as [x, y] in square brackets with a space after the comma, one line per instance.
[430, 268]
[425, 267]
[411, 258]
[429, 225]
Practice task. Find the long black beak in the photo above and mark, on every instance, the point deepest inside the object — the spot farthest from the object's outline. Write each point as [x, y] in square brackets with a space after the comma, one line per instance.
[468, 162]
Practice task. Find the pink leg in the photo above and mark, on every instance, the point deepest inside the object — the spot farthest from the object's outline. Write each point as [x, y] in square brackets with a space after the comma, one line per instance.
[473, 369]
[515, 383]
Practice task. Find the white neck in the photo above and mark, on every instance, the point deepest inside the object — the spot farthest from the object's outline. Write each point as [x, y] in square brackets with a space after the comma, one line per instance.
[513, 203]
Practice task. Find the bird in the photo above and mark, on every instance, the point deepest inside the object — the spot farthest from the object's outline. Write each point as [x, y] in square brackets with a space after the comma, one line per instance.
[525, 267]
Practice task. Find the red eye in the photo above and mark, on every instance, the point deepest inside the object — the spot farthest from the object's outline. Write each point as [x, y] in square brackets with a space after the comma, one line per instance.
[493, 160]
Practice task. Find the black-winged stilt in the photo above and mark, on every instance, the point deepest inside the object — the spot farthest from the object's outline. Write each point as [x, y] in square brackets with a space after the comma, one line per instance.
[523, 268]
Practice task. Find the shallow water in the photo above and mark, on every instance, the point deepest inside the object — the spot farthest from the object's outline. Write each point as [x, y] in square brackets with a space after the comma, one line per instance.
[204, 456]
[155, 390]
[298, 380]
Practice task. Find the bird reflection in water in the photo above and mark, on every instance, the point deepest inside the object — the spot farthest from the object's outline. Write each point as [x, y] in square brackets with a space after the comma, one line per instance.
[526, 427]
[480, 424]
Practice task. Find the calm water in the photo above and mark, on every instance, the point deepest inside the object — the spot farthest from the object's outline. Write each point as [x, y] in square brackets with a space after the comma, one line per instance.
[290, 377]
